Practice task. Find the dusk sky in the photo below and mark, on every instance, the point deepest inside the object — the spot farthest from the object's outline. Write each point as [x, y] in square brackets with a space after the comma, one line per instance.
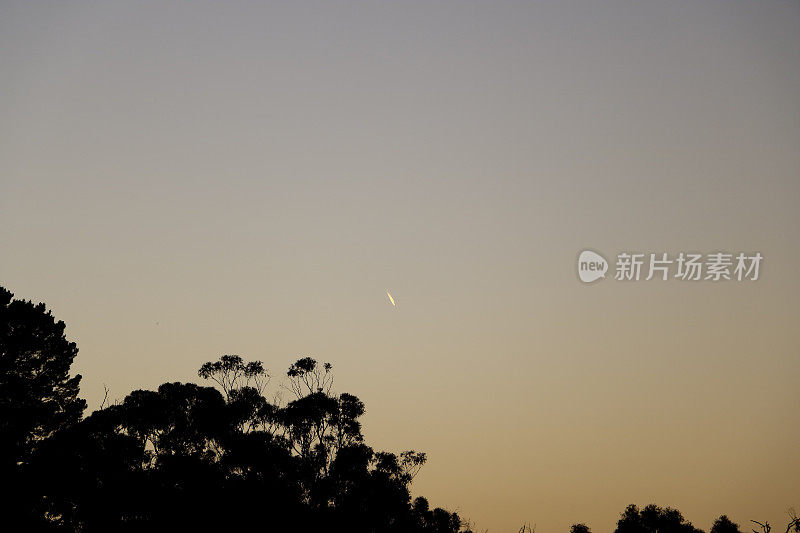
[182, 180]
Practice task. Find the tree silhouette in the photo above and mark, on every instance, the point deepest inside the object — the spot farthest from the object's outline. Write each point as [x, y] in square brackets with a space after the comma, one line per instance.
[232, 373]
[653, 519]
[723, 524]
[336, 473]
[38, 396]
[579, 528]
[307, 377]
[792, 526]
[186, 457]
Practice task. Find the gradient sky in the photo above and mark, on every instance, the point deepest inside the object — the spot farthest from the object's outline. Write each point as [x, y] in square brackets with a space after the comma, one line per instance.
[180, 180]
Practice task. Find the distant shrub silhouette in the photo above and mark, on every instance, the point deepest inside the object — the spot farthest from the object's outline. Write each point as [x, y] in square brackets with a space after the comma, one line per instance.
[579, 528]
[653, 519]
[723, 524]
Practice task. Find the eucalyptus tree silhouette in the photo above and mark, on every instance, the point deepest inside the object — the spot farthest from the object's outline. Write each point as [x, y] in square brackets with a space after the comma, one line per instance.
[232, 373]
[341, 482]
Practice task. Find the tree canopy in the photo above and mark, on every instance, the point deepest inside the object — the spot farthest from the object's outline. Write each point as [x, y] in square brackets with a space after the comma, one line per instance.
[191, 457]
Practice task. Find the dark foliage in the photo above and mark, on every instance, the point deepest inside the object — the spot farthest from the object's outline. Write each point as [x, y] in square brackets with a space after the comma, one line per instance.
[723, 524]
[37, 394]
[191, 458]
[38, 397]
[653, 519]
[579, 528]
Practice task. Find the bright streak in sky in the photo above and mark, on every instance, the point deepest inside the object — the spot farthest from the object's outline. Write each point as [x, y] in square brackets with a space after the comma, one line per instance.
[390, 298]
